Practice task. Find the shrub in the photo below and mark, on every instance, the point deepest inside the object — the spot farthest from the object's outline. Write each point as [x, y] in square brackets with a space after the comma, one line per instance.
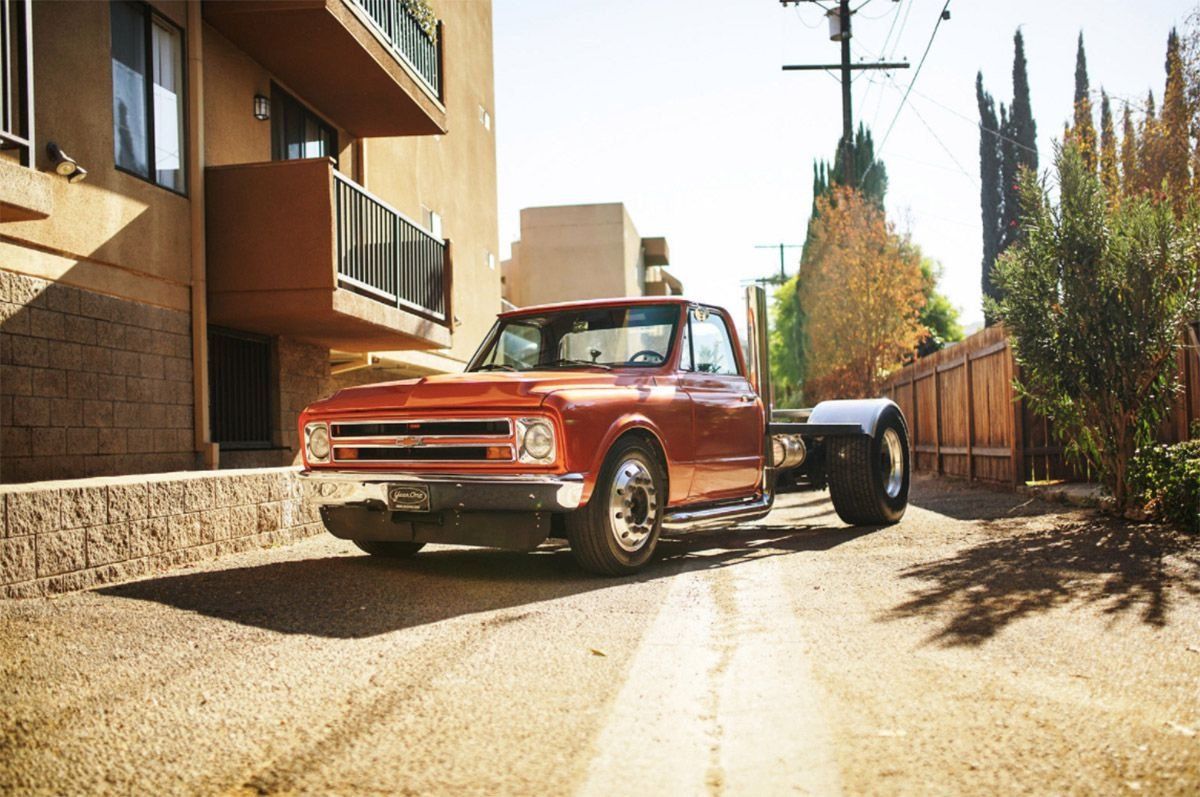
[1166, 478]
[1096, 294]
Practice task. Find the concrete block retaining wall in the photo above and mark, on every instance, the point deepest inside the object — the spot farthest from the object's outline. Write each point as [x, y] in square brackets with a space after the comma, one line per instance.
[71, 535]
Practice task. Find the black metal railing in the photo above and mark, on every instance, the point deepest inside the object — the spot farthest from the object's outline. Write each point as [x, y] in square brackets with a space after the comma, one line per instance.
[16, 78]
[407, 38]
[383, 255]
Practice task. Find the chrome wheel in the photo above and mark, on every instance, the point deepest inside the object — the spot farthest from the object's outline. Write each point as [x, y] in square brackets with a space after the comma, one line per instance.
[633, 505]
[892, 455]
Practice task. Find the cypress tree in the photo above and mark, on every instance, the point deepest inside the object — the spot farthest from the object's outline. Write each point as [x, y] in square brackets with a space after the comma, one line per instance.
[1129, 154]
[1175, 134]
[1010, 217]
[1025, 129]
[1150, 165]
[990, 193]
[1084, 131]
[1108, 150]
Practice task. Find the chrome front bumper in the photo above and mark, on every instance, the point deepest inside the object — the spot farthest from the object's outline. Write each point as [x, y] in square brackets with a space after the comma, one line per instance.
[474, 492]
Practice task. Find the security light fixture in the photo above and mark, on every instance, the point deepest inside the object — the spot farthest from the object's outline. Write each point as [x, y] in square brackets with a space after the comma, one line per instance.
[64, 164]
[262, 108]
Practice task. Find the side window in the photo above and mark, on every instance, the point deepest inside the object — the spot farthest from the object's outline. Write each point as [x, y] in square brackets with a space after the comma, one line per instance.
[518, 346]
[147, 64]
[711, 344]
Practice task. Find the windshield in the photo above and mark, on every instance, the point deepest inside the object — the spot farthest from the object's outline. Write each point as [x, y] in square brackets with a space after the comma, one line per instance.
[599, 337]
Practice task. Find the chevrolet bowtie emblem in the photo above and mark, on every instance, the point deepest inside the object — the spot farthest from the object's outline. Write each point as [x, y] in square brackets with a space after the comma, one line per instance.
[409, 442]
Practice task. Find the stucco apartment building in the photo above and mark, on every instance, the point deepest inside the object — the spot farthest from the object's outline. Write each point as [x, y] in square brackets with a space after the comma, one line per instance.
[569, 252]
[213, 212]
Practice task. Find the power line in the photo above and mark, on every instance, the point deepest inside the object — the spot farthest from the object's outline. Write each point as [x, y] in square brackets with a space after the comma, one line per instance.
[973, 122]
[916, 74]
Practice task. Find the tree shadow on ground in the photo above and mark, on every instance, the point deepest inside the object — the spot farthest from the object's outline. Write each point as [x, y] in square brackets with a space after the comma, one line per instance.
[1091, 561]
[356, 596]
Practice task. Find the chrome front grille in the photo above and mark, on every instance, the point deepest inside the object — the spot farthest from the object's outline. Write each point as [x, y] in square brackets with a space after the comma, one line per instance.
[416, 440]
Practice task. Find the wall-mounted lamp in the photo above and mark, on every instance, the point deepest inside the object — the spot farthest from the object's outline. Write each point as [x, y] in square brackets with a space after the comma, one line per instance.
[262, 108]
[64, 164]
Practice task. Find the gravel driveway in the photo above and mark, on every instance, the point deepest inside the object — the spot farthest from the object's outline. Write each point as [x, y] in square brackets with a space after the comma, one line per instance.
[988, 644]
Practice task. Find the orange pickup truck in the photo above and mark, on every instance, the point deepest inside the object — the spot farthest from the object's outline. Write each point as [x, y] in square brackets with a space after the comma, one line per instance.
[600, 422]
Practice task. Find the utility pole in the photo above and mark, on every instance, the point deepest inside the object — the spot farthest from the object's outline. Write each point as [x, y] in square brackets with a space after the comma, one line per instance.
[839, 31]
[782, 278]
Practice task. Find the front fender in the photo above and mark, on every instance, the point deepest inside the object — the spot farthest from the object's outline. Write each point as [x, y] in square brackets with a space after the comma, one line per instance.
[864, 412]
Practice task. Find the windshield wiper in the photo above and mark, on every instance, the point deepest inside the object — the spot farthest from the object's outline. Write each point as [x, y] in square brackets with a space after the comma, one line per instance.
[568, 361]
[496, 367]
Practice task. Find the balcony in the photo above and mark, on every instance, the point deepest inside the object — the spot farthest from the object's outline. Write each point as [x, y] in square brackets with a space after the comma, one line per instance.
[660, 282]
[295, 248]
[366, 64]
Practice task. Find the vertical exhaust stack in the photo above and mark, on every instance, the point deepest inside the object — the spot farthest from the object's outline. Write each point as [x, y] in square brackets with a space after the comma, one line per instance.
[760, 361]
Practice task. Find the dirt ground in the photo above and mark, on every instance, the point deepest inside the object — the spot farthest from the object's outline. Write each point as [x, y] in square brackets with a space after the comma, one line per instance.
[987, 644]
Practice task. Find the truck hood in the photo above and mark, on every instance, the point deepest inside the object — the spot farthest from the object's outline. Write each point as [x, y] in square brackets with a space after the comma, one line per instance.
[475, 390]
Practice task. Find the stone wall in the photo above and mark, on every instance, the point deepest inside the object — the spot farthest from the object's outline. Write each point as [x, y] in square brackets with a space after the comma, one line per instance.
[90, 385]
[63, 536]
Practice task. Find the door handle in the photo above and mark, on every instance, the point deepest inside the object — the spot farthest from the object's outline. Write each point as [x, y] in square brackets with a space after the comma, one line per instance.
[747, 397]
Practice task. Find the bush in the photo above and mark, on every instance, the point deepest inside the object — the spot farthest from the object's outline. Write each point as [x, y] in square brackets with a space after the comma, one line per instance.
[1095, 295]
[1166, 478]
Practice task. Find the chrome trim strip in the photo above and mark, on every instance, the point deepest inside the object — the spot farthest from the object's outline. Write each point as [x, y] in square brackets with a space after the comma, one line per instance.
[689, 520]
[376, 422]
[346, 487]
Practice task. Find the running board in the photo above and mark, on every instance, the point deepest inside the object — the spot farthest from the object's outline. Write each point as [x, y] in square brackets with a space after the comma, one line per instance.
[685, 519]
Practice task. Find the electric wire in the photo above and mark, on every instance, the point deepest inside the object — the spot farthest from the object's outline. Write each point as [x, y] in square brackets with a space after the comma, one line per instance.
[916, 74]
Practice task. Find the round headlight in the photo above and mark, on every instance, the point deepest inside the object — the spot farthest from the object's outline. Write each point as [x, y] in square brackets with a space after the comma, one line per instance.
[539, 440]
[318, 442]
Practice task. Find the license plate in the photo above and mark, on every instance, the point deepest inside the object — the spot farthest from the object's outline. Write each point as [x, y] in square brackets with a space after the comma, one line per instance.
[408, 498]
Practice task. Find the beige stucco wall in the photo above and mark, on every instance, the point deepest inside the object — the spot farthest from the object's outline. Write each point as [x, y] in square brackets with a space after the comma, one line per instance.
[113, 233]
[117, 235]
[455, 174]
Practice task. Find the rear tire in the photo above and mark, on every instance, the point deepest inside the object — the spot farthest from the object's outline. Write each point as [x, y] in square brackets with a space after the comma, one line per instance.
[869, 476]
[617, 532]
[390, 550]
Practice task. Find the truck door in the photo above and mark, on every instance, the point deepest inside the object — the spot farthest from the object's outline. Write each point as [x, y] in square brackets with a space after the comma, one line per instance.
[727, 416]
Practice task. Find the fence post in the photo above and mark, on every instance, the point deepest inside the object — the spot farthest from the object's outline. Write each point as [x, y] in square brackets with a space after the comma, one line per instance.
[916, 426]
[937, 420]
[970, 418]
[1017, 440]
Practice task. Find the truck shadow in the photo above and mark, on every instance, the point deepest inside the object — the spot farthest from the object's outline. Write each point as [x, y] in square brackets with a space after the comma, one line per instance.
[356, 596]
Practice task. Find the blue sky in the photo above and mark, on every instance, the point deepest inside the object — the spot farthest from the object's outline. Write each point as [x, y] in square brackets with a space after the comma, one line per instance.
[679, 109]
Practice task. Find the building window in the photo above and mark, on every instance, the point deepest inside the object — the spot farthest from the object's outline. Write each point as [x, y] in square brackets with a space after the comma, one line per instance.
[485, 118]
[16, 81]
[148, 95]
[239, 383]
[489, 259]
[297, 132]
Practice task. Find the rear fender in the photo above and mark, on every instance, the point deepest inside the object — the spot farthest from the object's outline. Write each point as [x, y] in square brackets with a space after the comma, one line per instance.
[863, 412]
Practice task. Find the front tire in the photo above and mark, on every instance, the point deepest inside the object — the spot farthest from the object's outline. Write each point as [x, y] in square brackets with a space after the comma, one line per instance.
[617, 532]
[869, 475]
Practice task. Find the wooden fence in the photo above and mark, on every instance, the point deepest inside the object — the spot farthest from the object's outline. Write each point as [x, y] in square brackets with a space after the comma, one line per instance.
[966, 420]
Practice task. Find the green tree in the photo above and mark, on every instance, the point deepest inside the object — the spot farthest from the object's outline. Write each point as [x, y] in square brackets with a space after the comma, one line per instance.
[1129, 153]
[1096, 295]
[1084, 130]
[938, 315]
[789, 345]
[1023, 127]
[1108, 149]
[991, 194]
[1006, 146]
[1176, 140]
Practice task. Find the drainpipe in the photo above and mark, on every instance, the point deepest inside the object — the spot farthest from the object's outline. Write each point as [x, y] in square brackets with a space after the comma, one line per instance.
[208, 451]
